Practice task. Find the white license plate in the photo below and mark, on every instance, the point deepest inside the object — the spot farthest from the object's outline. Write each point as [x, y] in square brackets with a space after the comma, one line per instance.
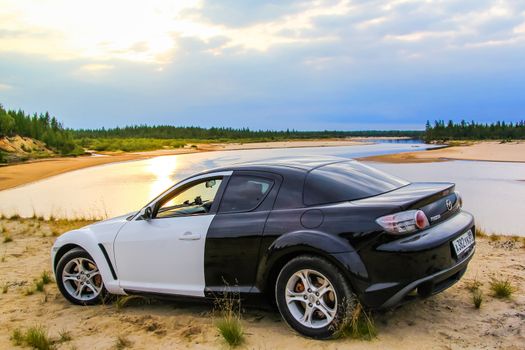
[463, 242]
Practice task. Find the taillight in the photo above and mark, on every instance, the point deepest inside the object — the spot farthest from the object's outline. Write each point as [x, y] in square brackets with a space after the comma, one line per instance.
[459, 198]
[404, 222]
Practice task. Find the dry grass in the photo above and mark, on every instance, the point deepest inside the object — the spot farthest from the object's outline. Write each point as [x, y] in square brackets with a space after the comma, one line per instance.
[125, 300]
[477, 298]
[480, 232]
[7, 237]
[35, 337]
[122, 342]
[229, 324]
[356, 324]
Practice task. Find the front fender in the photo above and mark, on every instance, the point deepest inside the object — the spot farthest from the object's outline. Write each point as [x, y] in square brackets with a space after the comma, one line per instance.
[86, 239]
[286, 247]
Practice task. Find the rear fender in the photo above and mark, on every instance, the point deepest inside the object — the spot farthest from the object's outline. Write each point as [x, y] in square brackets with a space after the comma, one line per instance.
[292, 244]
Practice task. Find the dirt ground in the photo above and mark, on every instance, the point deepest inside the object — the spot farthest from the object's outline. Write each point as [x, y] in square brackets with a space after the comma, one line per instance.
[445, 321]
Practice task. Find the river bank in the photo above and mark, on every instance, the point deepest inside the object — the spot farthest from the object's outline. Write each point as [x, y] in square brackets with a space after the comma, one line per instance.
[493, 151]
[23, 173]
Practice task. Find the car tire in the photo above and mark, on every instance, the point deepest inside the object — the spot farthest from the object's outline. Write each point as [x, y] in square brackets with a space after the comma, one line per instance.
[79, 279]
[313, 296]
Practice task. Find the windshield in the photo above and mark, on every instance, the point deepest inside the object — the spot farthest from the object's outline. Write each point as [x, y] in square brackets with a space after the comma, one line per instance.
[346, 181]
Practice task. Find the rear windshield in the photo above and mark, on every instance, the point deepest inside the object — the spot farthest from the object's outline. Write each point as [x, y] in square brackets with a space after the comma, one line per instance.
[346, 181]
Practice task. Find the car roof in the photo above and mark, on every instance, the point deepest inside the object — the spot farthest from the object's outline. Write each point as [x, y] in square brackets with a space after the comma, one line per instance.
[280, 164]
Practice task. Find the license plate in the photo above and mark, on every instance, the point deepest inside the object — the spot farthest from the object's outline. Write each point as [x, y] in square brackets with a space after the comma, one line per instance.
[463, 242]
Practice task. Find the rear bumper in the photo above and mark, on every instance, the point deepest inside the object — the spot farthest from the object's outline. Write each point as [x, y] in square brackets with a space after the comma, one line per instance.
[425, 263]
[430, 285]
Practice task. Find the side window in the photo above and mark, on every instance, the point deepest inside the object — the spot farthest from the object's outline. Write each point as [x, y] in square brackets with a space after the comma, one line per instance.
[193, 200]
[244, 193]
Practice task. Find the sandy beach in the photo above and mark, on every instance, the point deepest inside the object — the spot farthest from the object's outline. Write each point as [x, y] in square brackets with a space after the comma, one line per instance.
[23, 173]
[486, 151]
[445, 321]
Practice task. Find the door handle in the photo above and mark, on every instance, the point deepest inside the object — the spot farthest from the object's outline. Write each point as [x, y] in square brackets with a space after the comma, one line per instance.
[190, 236]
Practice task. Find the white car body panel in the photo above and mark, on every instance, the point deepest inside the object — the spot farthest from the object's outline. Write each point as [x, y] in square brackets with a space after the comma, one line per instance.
[88, 238]
[159, 255]
[163, 255]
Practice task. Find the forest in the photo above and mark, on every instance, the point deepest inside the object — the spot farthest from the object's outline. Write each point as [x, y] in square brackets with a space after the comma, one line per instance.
[65, 141]
[41, 127]
[229, 134]
[463, 130]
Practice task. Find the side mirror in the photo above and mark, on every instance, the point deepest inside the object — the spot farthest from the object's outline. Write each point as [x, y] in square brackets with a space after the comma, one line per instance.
[146, 213]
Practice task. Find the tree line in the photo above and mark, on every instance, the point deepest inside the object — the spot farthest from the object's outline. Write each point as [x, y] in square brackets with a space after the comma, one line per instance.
[500, 130]
[41, 127]
[214, 133]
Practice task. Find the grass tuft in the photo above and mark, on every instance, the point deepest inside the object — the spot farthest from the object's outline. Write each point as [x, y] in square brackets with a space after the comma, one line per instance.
[473, 285]
[39, 286]
[502, 288]
[7, 237]
[17, 337]
[45, 277]
[356, 324]
[481, 232]
[229, 325]
[64, 336]
[35, 337]
[494, 237]
[122, 343]
[477, 298]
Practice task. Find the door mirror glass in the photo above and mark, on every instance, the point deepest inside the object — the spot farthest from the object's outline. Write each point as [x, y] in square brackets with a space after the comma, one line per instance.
[210, 183]
[146, 213]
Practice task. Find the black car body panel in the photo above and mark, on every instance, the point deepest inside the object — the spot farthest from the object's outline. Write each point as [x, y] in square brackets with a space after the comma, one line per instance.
[246, 250]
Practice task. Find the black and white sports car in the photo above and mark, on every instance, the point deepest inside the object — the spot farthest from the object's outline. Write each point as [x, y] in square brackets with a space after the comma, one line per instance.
[309, 234]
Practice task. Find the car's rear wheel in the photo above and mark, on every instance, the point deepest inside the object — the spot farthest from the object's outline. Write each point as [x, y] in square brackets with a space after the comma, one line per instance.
[312, 296]
[79, 279]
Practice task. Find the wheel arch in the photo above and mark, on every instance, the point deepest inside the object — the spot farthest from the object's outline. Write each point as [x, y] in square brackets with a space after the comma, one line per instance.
[291, 245]
[85, 240]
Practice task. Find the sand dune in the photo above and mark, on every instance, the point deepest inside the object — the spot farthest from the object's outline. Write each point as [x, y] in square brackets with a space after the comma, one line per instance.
[445, 321]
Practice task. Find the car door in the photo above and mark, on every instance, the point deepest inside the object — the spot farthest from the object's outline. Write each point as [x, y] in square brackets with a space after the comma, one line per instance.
[165, 254]
[232, 243]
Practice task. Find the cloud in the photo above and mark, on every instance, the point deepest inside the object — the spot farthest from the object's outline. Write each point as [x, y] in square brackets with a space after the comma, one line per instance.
[278, 64]
[5, 87]
[96, 67]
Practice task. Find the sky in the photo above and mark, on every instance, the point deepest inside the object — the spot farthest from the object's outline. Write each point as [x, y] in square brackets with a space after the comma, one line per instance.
[306, 65]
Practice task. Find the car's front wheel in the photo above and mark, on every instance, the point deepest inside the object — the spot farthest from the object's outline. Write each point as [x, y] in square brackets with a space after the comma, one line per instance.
[79, 279]
[312, 296]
